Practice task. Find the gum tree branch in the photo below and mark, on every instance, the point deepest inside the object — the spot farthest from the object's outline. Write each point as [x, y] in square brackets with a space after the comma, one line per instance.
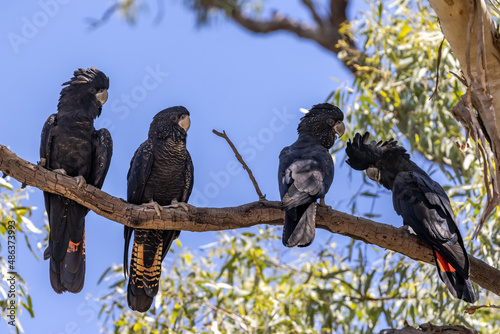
[429, 328]
[474, 39]
[338, 12]
[242, 162]
[472, 309]
[326, 33]
[217, 219]
[312, 8]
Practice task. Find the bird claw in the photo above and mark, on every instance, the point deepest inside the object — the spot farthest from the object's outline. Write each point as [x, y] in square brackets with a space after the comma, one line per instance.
[405, 228]
[80, 180]
[323, 204]
[60, 171]
[46, 253]
[175, 204]
[42, 162]
[155, 206]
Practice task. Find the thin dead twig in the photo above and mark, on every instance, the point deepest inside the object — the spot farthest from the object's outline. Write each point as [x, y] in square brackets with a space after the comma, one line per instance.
[312, 8]
[440, 50]
[242, 162]
[473, 309]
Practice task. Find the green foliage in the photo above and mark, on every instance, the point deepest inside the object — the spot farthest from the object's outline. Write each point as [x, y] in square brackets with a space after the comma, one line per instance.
[206, 10]
[248, 283]
[391, 97]
[14, 216]
[392, 89]
[396, 77]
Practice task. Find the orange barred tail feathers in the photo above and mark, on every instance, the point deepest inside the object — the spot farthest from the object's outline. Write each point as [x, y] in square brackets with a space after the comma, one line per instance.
[145, 269]
[148, 252]
[459, 286]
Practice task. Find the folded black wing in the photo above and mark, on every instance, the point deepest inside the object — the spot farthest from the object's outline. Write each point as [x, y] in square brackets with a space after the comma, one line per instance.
[103, 150]
[425, 207]
[304, 176]
[137, 177]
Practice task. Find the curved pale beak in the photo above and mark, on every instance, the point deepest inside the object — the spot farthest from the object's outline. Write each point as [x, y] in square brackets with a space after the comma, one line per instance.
[339, 128]
[102, 97]
[185, 123]
[373, 173]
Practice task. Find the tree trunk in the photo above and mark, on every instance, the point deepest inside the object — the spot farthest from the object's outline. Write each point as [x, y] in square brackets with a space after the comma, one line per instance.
[474, 39]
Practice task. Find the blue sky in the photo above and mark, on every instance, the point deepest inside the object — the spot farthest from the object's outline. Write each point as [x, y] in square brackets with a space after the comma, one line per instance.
[250, 85]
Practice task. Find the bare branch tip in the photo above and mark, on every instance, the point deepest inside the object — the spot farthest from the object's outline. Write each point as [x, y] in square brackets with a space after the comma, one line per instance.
[242, 162]
[217, 133]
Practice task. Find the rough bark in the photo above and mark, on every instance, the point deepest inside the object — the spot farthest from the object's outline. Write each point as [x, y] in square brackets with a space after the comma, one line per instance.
[474, 39]
[217, 219]
[325, 30]
[454, 16]
[430, 329]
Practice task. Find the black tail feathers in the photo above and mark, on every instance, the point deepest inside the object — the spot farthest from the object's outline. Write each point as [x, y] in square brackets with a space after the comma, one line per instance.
[66, 243]
[137, 299]
[68, 274]
[300, 226]
[459, 286]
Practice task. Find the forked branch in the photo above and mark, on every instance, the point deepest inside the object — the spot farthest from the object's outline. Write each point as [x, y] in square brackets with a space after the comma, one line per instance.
[217, 219]
[242, 162]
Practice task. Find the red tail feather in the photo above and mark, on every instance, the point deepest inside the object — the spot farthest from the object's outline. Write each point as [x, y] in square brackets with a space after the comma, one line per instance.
[443, 265]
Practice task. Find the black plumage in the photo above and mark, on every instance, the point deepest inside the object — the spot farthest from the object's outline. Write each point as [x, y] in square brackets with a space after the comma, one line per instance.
[305, 172]
[161, 172]
[71, 145]
[421, 202]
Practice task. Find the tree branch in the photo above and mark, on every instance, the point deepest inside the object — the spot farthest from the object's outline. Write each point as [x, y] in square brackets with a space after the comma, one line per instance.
[242, 162]
[431, 329]
[217, 219]
[326, 35]
[482, 80]
[474, 308]
[312, 8]
[338, 12]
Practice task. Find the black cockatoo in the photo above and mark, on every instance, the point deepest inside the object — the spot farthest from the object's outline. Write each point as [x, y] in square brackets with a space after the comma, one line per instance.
[305, 172]
[71, 145]
[421, 202]
[161, 173]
